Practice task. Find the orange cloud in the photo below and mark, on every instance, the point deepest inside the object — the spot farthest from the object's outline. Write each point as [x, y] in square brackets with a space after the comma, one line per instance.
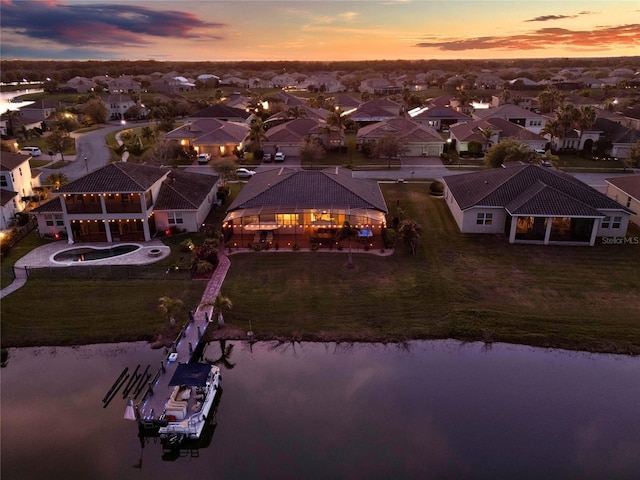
[601, 37]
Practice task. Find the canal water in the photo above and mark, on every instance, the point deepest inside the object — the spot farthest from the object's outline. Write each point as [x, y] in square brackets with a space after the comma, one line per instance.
[421, 410]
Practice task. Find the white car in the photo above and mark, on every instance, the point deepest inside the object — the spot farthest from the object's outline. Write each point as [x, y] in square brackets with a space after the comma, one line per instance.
[244, 173]
[204, 158]
[33, 151]
[279, 157]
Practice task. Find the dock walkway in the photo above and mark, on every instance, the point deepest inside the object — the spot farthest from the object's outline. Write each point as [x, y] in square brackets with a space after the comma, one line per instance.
[152, 402]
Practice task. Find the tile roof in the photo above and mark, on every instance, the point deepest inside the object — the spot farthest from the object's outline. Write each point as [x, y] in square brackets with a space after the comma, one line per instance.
[511, 187]
[10, 161]
[51, 206]
[333, 188]
[292, 131]
[118, 177]
[222, 111]
[184, 190]
[409, 130]
[6, 196]
[630, 185]
[507, 111]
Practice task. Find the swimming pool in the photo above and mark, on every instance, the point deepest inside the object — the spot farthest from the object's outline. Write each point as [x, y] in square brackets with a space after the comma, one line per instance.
[88, 254]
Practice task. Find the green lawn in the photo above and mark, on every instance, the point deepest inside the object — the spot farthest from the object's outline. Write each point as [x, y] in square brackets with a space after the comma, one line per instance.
[469, 287]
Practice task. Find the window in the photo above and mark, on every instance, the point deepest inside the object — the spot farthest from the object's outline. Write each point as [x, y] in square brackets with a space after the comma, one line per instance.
[606, 222]
[628, 202]
[616, 222]
[49, 220]
[59, 220]
[484, 219]
[175, 218]
[3, 181]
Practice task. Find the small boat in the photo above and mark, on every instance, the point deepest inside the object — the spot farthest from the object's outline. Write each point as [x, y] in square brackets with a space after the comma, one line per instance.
[195, 386]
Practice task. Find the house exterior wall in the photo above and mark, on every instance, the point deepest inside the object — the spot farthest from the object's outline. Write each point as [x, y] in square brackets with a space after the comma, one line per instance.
[19, 180]
[9, 211]
[614, 224]
[493, 224]
[624, 199]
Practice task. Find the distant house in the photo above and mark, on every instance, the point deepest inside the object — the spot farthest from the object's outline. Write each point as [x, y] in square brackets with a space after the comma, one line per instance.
[210, 135]
[619, 137]
[124, 84]
[440, 118]
[171, 84]
[291, 205]
[376, 110]
[223, 113]
[533, 204]
[290, 136]
[40, 109]
[532, 121]
[16, 186]
[128, 202]
[418, 139]
[626, 192]
[117, 105]
[78, 85]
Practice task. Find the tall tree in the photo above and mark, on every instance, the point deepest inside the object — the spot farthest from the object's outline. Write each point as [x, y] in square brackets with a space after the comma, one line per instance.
[567, 115]
[59, 141]
[553, 129]
[257, 134]
[586, 118]
[487, 133]
[508, 150]
[389, 146]
[550, 98]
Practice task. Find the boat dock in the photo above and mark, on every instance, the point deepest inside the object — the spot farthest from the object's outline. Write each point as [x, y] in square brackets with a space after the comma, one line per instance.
[187, 346]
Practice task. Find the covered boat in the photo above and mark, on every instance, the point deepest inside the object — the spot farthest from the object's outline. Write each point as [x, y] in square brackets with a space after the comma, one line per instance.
[195, 386]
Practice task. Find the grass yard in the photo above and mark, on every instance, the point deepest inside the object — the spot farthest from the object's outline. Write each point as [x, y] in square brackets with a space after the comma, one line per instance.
[469, 287]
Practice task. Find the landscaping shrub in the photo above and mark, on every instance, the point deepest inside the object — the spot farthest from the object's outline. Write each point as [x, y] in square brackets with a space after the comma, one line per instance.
[436, 188]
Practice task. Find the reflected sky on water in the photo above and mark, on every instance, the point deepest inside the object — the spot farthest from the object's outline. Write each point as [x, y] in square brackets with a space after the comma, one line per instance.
[422, 410]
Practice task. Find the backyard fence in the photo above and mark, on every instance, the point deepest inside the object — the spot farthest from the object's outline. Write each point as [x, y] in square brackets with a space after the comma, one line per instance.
[92, 272]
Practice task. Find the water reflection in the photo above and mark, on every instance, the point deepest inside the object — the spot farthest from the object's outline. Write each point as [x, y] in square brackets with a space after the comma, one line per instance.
[302, 410]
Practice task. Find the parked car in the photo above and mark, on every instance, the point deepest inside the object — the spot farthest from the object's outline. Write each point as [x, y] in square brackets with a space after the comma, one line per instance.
[266, 157]
[244, 173]
[33, 151]
[279, 157]
[546, 163]
[204, 158]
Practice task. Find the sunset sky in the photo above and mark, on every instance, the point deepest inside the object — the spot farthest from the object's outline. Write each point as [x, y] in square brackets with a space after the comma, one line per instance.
[209, 30]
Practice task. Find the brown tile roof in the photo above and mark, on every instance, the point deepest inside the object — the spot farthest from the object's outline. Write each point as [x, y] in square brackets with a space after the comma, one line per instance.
[333, 188]
[52, 206]
[409, 130]
[184, 190]
[118, 177]
[520, 187]
[6, 196]
[10, 161]
[630, 185]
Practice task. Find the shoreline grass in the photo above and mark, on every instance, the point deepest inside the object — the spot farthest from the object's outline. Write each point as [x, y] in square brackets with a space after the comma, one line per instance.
[466, 287]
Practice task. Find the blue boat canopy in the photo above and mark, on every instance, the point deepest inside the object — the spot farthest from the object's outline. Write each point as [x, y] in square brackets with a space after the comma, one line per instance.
[191, 375]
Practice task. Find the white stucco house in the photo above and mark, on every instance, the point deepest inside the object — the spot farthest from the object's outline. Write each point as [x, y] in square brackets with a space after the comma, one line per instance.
[533, 204]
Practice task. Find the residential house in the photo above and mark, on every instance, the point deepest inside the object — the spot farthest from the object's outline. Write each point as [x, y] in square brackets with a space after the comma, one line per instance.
[626, 192]
[533, 204]
[16, 186]
[117, 105]
[617, 138]
[171, 84]
[212, 136]
[380, 86]
[223, 113]
[376, 110]
[418, 139]
[293, 207]
[507, 129]
[290, 136]
[439, 118]
[532, 121]
[78, 85]
[124, 84]
[40, 110]
[128, 202]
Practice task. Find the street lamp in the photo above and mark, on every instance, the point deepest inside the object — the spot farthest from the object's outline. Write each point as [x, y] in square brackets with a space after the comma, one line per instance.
[123, 123]
[86, 164]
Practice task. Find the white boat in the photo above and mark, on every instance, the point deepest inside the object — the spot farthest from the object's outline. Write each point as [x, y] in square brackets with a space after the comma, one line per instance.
[186, 410]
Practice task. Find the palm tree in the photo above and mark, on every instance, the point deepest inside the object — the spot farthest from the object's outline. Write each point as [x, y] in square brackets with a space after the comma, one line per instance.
[487, 133]
[56, 180]
[553, 129]
[588, 116]
[567, 115]
[348, 232]
[257, 134]
[218, 304]
[336, 118]
[169, 307]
